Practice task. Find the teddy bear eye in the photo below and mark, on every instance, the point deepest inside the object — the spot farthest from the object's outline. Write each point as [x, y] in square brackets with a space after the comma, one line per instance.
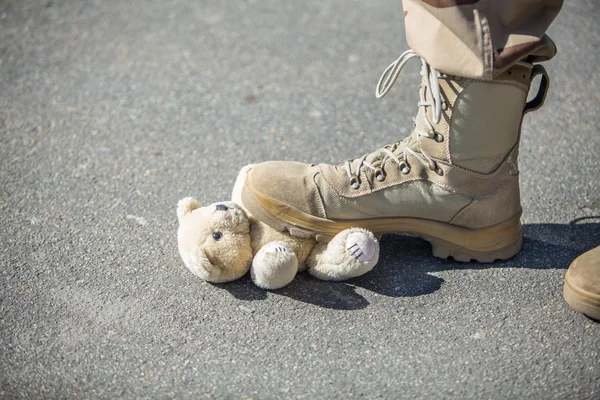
[217, 235]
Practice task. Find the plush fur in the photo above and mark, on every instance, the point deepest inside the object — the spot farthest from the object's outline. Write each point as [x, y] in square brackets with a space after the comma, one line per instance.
[221, 242]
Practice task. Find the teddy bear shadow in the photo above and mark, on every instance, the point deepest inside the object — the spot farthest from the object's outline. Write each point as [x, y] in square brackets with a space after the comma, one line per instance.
[305, 288]
[405, 267]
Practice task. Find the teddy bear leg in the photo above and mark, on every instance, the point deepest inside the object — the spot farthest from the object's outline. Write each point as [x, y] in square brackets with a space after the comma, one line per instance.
[274, 266]
[352, 252]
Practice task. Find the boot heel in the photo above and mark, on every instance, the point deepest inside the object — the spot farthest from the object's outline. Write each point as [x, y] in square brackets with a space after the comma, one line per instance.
[485, 245]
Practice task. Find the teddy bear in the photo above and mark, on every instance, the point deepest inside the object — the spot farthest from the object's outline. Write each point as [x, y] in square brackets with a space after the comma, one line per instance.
[220, 242]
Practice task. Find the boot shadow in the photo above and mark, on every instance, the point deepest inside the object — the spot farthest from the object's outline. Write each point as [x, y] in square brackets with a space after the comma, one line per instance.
[548, 246]
[406, 262]
[545, 246]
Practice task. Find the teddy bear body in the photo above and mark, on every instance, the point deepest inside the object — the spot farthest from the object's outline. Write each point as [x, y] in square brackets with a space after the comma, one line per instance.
[221, 242]
[262, 235]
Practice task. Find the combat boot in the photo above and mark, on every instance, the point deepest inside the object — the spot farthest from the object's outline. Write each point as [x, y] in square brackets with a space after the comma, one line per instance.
[582, 284]
[454, 181]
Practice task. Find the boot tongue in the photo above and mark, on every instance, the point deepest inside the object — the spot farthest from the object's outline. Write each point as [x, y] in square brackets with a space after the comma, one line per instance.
[420, 124]
[375, 157]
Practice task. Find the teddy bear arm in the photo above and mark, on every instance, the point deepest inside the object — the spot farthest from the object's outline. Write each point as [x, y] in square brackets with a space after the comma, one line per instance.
[352, 252]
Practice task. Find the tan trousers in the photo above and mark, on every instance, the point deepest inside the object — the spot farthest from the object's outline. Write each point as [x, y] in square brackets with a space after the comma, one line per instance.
[479, 38]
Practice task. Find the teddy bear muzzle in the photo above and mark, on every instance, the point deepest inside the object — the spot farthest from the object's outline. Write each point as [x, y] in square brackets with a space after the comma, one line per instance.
[201, 266]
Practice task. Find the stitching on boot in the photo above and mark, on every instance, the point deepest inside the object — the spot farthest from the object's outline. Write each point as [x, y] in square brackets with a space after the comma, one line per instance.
[491, 175]
[473, 195]
[332, 187]
[452, 101]
[503, 82]
[475, 201]
[317, 195]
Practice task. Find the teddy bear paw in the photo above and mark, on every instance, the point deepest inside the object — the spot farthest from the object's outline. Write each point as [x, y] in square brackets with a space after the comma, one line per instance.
[274, 266]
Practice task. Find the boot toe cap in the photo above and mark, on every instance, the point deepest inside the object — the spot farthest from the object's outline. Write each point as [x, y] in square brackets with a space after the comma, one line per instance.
[291, 183]
[584, 272]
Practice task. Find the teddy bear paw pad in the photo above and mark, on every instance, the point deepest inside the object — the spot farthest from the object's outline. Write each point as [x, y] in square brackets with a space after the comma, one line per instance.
[361, 246]
[277, 248]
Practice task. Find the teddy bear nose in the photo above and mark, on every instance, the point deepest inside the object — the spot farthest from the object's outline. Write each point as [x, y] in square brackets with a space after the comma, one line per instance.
[222, 207]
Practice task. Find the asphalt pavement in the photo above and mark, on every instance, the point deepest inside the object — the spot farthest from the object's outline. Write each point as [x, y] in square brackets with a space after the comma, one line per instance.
[111, 111]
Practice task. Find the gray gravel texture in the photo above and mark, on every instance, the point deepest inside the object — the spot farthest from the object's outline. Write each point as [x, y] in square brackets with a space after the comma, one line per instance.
[111, 111]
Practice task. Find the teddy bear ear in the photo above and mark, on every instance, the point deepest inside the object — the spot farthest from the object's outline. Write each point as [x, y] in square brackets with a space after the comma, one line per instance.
[186, 206]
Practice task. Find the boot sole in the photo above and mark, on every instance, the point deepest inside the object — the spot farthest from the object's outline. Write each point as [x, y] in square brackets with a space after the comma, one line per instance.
[581, 300]
[497, 242]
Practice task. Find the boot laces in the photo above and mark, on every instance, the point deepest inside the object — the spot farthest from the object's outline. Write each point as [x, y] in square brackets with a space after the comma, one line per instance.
[430, 97]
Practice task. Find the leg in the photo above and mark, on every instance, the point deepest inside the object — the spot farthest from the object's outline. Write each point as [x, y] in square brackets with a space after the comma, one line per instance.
[352, 252]
[274, 266]
[480, 38]
[454, 180]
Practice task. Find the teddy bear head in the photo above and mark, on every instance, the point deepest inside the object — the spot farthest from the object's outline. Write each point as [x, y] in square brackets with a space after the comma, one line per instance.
[214, 241]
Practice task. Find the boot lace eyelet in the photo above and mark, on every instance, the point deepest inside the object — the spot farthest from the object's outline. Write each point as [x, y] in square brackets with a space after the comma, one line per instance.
[354, 182]
[444, 105]
[380, 174]
[405, 168]
[439, 171]
[438, 137]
